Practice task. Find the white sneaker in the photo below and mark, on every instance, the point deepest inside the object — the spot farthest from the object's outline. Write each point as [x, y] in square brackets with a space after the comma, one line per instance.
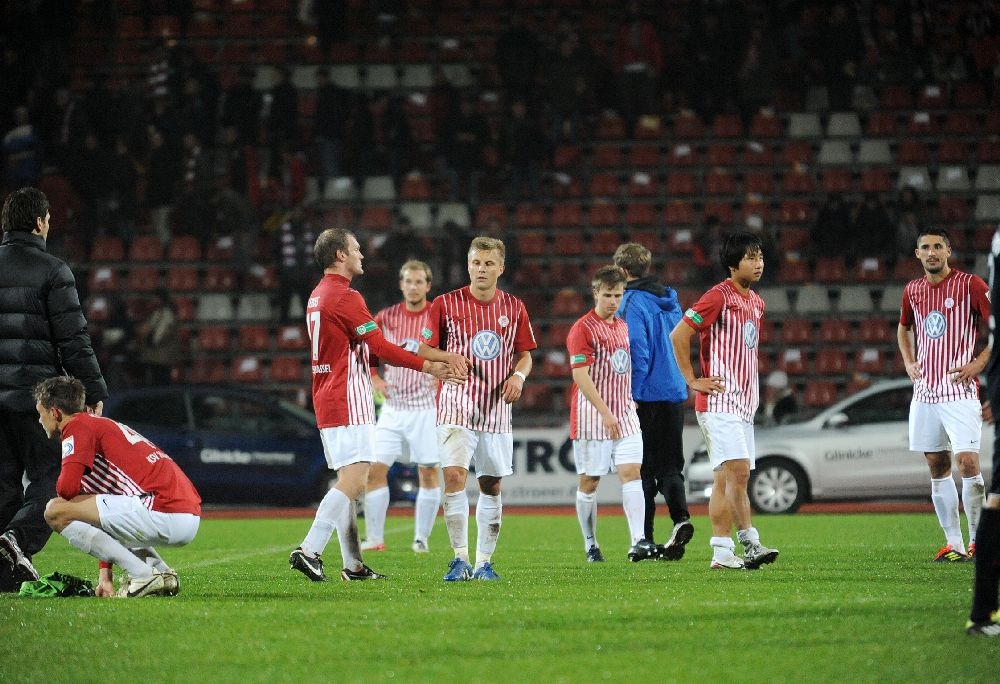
[146, 586]
[370, 545]
[420, 546]
[171, 585]
[727, 562]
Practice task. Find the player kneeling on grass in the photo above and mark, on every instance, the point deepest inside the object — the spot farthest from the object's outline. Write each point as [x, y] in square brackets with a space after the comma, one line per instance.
[119, 495]
[604, 425]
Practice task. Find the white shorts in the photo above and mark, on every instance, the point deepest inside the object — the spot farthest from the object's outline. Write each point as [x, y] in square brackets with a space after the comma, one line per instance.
[492, 453]
[597, 457]
[348, 444]
[407, 436]
[126, 519]
[948, 426]
[728, 438]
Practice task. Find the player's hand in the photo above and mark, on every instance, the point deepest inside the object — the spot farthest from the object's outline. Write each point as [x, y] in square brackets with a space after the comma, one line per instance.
[96, 409]
[105, 589]
[380, 385]
[459, 365]
[987, 413]
[512, 388]
[914, 370]
[710, 385]
[612, 425]
[445, 373]
[963, 374]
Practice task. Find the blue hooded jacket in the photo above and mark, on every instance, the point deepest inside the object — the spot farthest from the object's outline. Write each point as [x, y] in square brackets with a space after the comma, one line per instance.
[651, 311]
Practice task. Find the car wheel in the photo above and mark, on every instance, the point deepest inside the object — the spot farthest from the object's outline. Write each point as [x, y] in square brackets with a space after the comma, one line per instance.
[777, 486]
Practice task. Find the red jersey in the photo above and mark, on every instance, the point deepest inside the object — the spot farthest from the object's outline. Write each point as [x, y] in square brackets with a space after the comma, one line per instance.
[488, 334]
[604, 348]
[341, 330]
[728, 323]
[408, 389]
[100, 456]
[944, 318]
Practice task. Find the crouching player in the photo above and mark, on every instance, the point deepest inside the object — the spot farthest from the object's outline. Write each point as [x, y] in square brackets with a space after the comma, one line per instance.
[604, 425]
[118, 494]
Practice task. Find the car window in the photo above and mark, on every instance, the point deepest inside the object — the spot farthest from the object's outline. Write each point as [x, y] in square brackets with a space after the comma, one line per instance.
[884, 407]
[162, 409]
[238, 414]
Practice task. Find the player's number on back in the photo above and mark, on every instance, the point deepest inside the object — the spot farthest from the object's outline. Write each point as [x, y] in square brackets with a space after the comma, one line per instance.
[312, 327]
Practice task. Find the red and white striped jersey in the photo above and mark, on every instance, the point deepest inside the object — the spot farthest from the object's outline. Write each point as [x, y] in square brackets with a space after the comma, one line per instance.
[944, 318]
[604, 349]
[408, 389]
[101, 456]
[488, 334]
[340, 330]
[728, 323]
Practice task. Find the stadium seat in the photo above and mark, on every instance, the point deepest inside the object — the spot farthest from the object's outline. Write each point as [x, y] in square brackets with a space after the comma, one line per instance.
[843, 125]
[688, 125]
[793, 212]
[107, 248]
[793, 361]
[835, 331]
[184, 307]
[555, 365]
[969, 95]
[727, 126]
[757, 154]
[680, 184]
[896, 97]
[912, 151]
[378, 189]
[793, 239]
[987, 208]
[214, 307]
[286, 369]
[720, 154]
[680, 240]
[566, 274]
[906, 270]
[922, 123]
[143, 279]
[775, 300]
[881, 125]
[607, 156]
[876, 180]
[455, 212]
[219, 279]
[678, 213]
[222, 248]
[682, 155]
[804, 125]
[835, 153]
[869, 269]
[876, 330]
[610, 127]
[530, 216]
[415, 188]
[254, 307]
[184, 248]
[759, 182]
[890, 299]
[952, 179]
[676, 272]
[831, 361]
[533, 243]
[645, 157]
[567, 215]
[766, 125]
[487, 212]
[207, 371]
[556, 335]
[102, 279]
[951, 151]
[254, 338]
[97, 309]
[213, 338]
[874, 152]
[604, 185]
[650, 239]
[797, 153]
[537, 398]
[819, 393]
[603, 215]
[988, 178]
[568, 302]
[723, 211]
[795, 272]
[836, 181]
[812, 299]
[798, 182]
[640, 214]
[145, 248]
[566, 157]
[916, 177]
[796, 331]
[247, 368]
[376, 218]
[869, 360]
[854, 299]
[719, 181]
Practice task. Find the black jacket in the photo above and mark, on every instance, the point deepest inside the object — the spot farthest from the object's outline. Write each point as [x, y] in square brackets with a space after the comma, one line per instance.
[42, 329]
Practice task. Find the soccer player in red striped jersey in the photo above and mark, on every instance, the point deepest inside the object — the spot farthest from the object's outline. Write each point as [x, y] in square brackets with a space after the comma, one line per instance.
[489, 326]
[603, 422]
[118, 495]
[405, 429]
[727, 320]
[937, 335]
[342, 331]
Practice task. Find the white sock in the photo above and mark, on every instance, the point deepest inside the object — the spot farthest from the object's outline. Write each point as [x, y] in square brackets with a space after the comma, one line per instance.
[489, 518]
[973, 495]
[634, 504]
[456, 519]
[748, 536]
[944, 495]
[586, 513]
[376, 505]
[722, 547]
[333, 509]
[101, 545]
[425, 512]
[151, 558]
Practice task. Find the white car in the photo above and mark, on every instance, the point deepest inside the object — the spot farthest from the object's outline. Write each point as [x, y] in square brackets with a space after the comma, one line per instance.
[856, 449]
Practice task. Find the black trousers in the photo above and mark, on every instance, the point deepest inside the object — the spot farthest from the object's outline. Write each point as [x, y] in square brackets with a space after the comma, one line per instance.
[29, 468]
[986, 579]
[662, 424]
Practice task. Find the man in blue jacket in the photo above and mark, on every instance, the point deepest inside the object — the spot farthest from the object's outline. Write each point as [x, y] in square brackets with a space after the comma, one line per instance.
[651, 311]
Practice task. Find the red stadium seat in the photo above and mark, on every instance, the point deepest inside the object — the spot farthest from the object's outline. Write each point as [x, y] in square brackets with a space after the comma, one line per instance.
[645, 156]
[219, 279]
[795, 272]
[796, 331]
[254, 338]
[680, 184]
[793, 212]
[678, 213]
[793, 361]
[533, 243]
[603, 214]
[760, 182]
[213, 338]
[247, 368]
[143, 279]
[831, 362]
[819, 393]
[721, 154]
[870, 269]
[102, 279]
[145, 248]
[567, 215]
[537, 397]
[798, 182]
[604, 185]
[727, 126]
[529, 215]
[796, 153]
[766, 125]
[719, 182]
[835, 331]
[184, 248]
[876, 180]
[683, 155]
[756, 154]
[637, 214]
[870, 360]
[830, 270]
[107, 248]
[491, 212]
[912, 151]
[642, 184]
[877, 330]
[286, 369]
[568, 302]
[688, 125]
[607, 156]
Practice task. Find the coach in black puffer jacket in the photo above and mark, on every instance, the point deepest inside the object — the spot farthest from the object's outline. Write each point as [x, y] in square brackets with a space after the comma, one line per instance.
[43, 333]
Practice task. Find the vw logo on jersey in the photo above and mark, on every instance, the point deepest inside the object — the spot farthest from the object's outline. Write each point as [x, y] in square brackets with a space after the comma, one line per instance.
[750, 334]
[486, 345]
[620, 361]
[411, 345]
[935, 325]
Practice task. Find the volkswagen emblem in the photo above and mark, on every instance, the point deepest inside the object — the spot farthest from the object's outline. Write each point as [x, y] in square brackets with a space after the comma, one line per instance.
[935, 324]
[486, 345]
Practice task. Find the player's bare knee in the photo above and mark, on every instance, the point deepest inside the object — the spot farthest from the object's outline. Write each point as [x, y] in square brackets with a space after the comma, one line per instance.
[489, 485]
[968, 463]
[55, 514]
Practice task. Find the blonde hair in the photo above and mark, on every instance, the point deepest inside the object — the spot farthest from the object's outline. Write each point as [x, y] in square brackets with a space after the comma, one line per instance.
[634, 258]
[488, 244]
[416, 265]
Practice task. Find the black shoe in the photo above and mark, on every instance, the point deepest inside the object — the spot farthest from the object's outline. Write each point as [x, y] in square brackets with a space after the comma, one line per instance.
[21, 569]
[365, 573]
[594, 555]
[310, 567]
[674, 549]
[643, 550]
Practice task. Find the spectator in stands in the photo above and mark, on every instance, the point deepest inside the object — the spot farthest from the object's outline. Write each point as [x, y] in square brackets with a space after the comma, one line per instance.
[159, 344]
[454, 255]
[397, 136]
[442, 100]
[195, 115]
[569, 89]
[117, 211]
[282, 120]
[241, 107]
[331, 22]
[297, 271]
[66, 122]
[638, 61]
[89, 176]
[196, 167]
[911, 218]
[330, 124]
[230, 160]
[518, 58]
[779, 399]
[523, 148]
[839, 50]
[163, 167]
[873, 231]
[461, 145]
[114, 340]
[705, 250]
[22, 152]
[360, 137]
[756, 76]
[829, 233]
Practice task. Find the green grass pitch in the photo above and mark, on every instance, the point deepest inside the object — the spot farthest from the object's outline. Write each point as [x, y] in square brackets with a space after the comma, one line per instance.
[852, 598]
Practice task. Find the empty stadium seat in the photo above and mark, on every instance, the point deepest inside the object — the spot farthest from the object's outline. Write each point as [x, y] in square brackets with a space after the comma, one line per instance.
[812, 299]
[107, 248]
[831, 361]
[102, 279]
[835, 331]
[804, 125]
[214, 307]
[145, 248]
[254, 307]
[819, 393]
[916, 177]
[869, 360]
[796, 331]
[143, 279]
[874, 152]
[247, 368]
[184, 248]
[793, 360]
[213, 338]
[854, 299]
[254, 338]
[912, 151]
[952, 179]
[843, 125]
[286, 369]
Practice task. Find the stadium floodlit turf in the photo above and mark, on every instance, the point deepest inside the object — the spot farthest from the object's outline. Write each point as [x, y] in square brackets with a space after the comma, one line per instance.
[852, 598]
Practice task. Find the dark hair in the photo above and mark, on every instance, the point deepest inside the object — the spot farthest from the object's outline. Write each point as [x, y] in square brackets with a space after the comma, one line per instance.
[736, 246]
[934, 231]
[329, 242]
[23, 208]
[66, 394]
[608, 276]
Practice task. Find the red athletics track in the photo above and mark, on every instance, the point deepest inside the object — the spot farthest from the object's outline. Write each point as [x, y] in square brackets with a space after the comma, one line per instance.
[226, 513]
